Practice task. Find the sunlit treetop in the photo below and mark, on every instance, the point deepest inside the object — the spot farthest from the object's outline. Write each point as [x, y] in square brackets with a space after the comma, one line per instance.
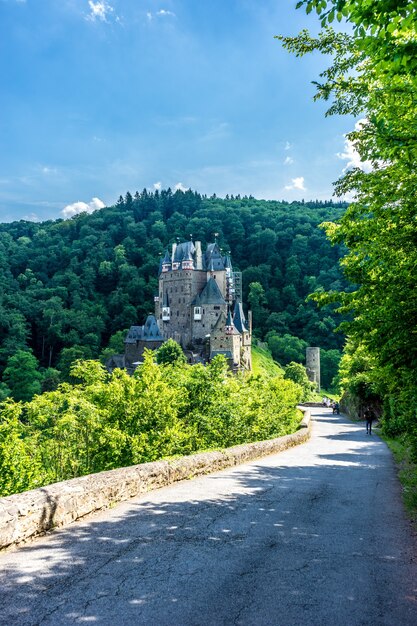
[388, 28]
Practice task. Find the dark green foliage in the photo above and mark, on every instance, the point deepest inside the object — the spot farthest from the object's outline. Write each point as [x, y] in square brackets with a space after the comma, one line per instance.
[73, 285]
[22, 376]
[286, 348]
[329, 366]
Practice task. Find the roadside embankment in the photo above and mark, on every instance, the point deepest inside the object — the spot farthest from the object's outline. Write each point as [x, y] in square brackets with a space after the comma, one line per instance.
[31, 513]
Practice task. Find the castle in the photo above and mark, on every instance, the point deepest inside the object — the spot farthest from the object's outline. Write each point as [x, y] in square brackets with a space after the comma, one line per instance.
[199, 305]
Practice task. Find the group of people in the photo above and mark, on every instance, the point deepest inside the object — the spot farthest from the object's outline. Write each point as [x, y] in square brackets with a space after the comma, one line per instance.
[368, 414]
[331, 404]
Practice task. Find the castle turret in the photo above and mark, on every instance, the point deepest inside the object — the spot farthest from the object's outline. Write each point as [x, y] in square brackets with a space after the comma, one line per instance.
[313, 365]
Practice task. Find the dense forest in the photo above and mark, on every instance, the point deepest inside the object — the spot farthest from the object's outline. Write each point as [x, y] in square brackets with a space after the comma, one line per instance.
[70, 288]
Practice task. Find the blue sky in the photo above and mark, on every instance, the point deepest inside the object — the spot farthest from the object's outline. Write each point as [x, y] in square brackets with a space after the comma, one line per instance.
[100, 97]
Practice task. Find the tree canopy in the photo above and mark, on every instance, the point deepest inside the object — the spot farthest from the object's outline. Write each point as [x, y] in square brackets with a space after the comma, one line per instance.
[373, 75]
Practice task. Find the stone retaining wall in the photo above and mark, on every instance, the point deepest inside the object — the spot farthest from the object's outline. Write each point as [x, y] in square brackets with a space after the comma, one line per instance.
[34, 512]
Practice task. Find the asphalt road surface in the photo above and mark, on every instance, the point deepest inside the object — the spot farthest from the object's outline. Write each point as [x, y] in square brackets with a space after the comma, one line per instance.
[315, 535]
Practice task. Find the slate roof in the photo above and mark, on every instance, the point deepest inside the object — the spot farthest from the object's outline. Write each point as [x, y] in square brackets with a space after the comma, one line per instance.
[211, 294]
[148, 332]
[227, 262]
[239, 318]
[184, 252]
[213, 259]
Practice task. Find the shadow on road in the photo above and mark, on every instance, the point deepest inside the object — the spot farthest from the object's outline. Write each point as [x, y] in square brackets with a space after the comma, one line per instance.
[264, 532]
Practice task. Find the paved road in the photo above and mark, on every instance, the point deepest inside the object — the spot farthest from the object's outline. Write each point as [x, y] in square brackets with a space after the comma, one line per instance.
[312, 536]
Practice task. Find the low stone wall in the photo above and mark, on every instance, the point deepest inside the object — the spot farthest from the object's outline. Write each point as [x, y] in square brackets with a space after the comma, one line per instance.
[34, 512]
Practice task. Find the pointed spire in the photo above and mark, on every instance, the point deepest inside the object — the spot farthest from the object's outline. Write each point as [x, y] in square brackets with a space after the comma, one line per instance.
[239, 318]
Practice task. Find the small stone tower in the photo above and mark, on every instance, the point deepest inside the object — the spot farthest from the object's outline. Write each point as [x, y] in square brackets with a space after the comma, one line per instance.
[313, 365]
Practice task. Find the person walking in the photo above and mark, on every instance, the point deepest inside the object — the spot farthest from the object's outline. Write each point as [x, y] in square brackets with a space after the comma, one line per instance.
[369, 416]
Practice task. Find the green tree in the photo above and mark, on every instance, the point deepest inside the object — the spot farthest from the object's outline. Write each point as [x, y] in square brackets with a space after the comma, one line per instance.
[20, 461]
[257, 302]
[329, 367]
[170, 352]
[68, 356]
[286, 348]
[373, 75]
[297, 373]
[22, 376]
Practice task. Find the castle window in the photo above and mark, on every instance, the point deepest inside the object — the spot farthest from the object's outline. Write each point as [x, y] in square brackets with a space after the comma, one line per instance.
[197, 313]
[216, 307]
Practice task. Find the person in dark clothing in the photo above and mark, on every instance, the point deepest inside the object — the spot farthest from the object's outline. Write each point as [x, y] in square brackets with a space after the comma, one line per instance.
[369, 416]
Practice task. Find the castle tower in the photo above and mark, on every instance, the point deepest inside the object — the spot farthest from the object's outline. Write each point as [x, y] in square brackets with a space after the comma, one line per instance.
[196, 293]
[313, 365]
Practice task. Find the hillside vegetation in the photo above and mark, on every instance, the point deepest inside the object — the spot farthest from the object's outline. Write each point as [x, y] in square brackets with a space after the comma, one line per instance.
[372, 77]
[263, 363]
[69, 288]
[104, 421]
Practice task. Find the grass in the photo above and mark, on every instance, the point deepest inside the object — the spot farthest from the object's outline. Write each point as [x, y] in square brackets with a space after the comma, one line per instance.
[407, 473]
[263, 363]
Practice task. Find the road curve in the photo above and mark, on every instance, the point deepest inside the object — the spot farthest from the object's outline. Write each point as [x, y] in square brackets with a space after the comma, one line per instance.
[312, 536]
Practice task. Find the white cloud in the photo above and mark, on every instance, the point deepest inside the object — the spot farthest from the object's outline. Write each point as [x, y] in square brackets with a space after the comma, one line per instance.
[288, 160]
[297, 183]
[351, 155]
[287, 146]
[82, 207]
[157, 185]
[99, 10]
[163, 12]
[180, 187]
[160, 13]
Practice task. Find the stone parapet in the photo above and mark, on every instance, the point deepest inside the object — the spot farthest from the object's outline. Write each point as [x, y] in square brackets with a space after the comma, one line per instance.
[31, 513]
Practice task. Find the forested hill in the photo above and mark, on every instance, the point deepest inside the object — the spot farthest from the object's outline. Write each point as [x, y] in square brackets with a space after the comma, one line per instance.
[68, 286]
